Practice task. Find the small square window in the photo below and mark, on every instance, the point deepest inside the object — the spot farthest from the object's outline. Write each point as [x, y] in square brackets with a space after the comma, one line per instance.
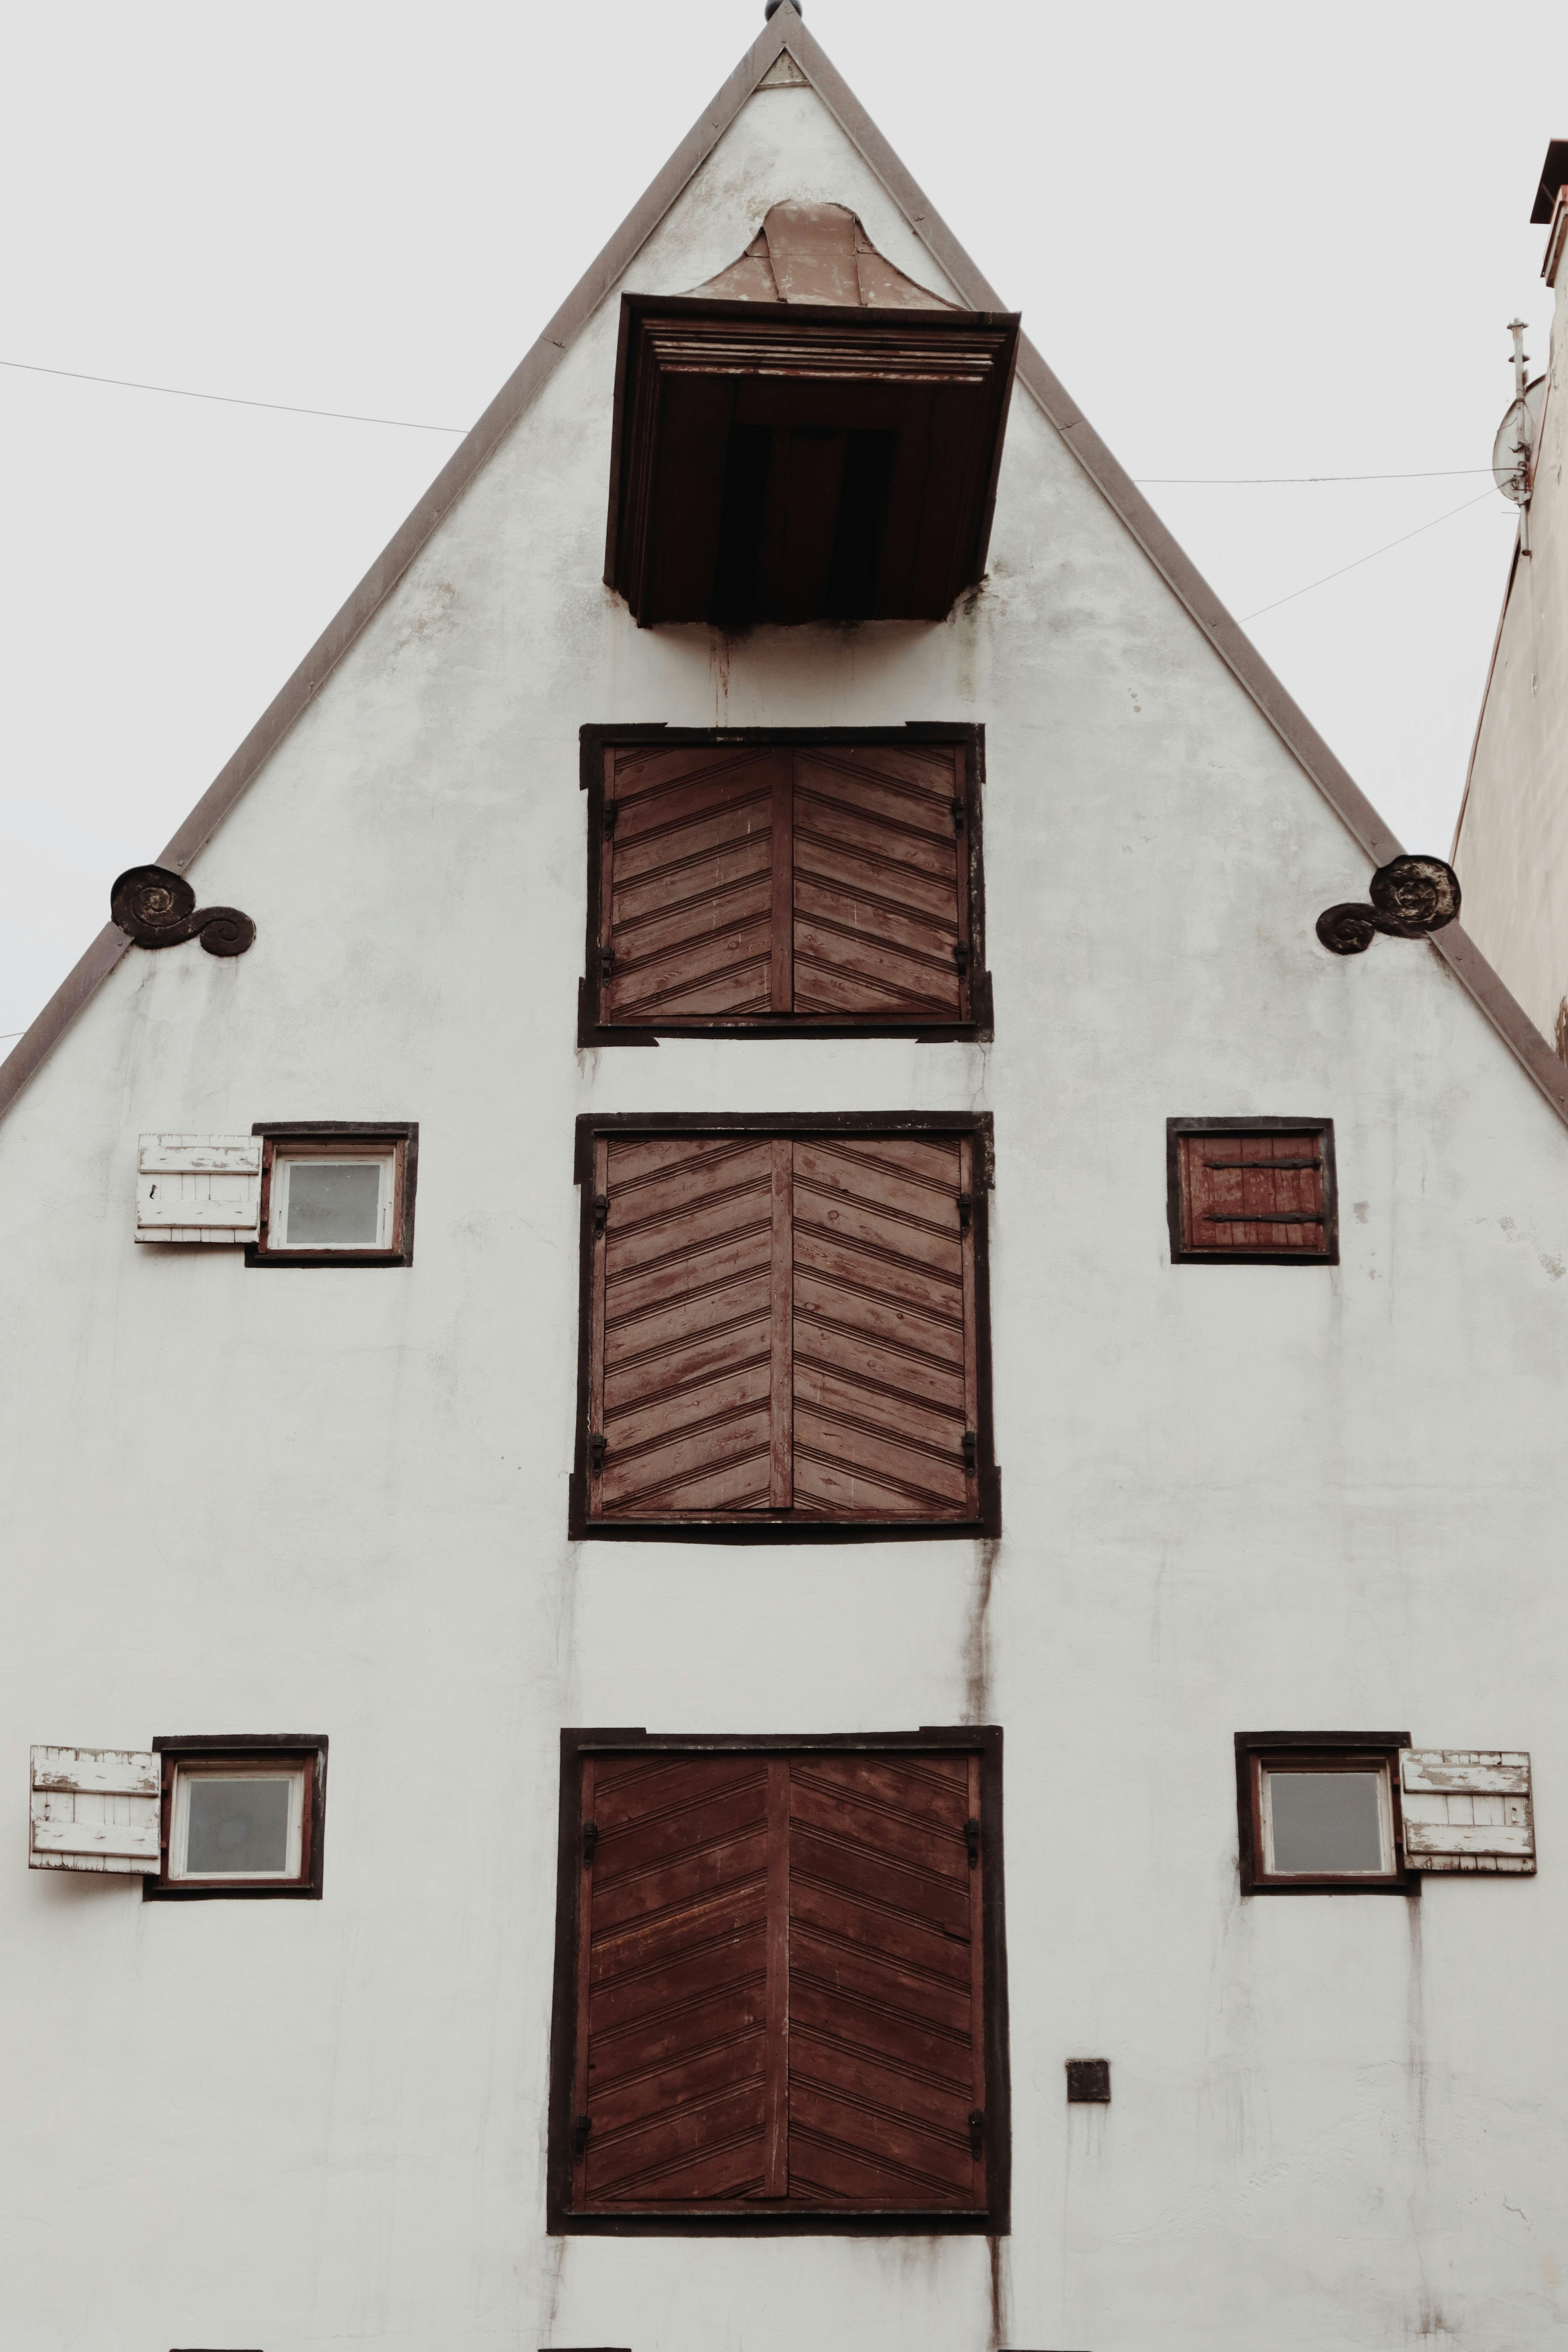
[336, 1195]
[1252, 1191]
[241, 1816]
[1320, 1812]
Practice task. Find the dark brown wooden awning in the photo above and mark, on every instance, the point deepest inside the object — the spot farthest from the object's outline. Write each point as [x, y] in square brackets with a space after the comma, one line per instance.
[781, 458]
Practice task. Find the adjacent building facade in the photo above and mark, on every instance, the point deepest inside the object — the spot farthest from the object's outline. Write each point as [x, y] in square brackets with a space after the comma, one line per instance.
[1511, 844]
[862, 1643]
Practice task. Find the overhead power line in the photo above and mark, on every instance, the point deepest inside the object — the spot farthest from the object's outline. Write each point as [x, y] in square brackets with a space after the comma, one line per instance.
[1257, 481]
[1259, 610]
[233, 400]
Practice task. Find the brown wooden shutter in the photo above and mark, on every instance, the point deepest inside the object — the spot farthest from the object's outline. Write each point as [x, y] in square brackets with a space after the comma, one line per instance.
[881, 897]
[782, 1325]
[884, 1352]
[686, 886]
[886, 2029]
[747, 883]
[1260, 1195]
[780, 1974]
[676, 2073]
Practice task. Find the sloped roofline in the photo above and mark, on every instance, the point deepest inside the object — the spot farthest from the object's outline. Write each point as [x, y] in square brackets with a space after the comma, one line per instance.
[784, 30]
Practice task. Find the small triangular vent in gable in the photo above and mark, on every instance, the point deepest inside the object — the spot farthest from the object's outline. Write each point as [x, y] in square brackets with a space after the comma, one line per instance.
[199, 1187]
[94, 1809]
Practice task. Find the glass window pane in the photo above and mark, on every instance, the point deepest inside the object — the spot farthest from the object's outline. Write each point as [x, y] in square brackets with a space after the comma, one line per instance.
[333, 1202]
[1327, 1821]
[236, 1826]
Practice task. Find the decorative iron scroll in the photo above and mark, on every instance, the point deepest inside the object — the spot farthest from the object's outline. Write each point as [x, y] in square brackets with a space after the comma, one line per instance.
[158, 909]
[1410, 898]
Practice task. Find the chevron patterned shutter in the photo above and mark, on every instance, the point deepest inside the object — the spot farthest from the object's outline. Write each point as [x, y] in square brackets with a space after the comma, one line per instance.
[883, 1339]
[686, 886]
[779, 1984]
[885, 2041]
[782, 1325]
[881, 898]
[746, 880]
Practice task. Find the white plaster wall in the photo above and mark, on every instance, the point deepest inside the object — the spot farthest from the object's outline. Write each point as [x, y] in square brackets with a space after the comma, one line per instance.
[1511, 853]
[1234, 1498]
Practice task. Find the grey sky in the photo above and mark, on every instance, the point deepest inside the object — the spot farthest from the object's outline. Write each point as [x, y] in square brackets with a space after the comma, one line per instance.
[1251, 242]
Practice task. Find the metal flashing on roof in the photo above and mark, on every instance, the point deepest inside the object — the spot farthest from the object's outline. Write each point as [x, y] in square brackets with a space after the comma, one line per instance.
[785, 33]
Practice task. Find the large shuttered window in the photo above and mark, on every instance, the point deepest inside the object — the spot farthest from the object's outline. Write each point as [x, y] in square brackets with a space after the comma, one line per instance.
[785, 1327]
[763, 883]
[780, 1995]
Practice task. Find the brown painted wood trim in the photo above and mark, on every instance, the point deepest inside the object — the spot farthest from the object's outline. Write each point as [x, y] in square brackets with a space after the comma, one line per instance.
[995, 2220]
[1182, 1255]
[1254, 1748]
[784, 31]
[403, 1134]
[594, 741]
[280, 1747]
[593, 1130]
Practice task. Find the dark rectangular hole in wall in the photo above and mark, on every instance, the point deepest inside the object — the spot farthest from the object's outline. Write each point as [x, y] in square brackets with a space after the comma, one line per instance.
[741, 525]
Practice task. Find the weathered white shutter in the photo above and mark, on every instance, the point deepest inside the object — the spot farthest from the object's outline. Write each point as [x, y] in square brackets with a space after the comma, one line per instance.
[199, 1187]
[94, 1809]
[1467, 1808]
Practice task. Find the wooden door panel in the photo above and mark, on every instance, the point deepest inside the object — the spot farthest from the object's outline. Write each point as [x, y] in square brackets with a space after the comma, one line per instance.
[686, 885]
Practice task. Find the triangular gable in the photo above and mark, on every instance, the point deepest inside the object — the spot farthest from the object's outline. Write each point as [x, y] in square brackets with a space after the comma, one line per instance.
[785, 53]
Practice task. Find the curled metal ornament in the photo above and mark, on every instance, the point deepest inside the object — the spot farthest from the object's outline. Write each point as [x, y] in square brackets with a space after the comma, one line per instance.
[158, 909]
[1410, 898]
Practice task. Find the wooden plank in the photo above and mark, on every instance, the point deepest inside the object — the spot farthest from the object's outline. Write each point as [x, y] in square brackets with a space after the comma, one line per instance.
[877, 921]
[933, 1789]
[980, 2173]
[169, 1207]
[851, 1874]
[858, 1318]
[892, 1935]
[637, 2099]
[597, 1290]
[928, 1836]
[1461, 1837]
[831, 2067]
[580, 2096]
[135, 1840]
[670, 1194]
[733, 2019]
[895, 1275]
[879, 1409]
[711, 1317]
[675, 1413]
[712, 913]
[221, 1155]
[912, 773]
[938, 2049]
[657, 2157]
[776, 2178]
[674, 1783]
[936, 2166]
[697, 1925]
[838, 1490]
[833, 839]
[687, 1361]
[820, 1347]
[710, 1812]
[781, 829]
[971, 1339]
[931, 1482]
[904, 2002]
[103, 1771]
[780, 1468]
[1438, 1770]
[725, 1270]
[880, 975]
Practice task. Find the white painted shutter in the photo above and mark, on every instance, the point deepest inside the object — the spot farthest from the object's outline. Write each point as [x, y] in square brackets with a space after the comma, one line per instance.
[199, 1187]
[94, 1809]
[1467, 1808]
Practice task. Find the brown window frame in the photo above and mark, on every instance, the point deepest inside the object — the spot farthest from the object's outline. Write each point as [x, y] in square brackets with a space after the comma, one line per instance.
[1257, 1751]
[757, 1527]
[1182, 1254]
[296, 1748]
[401, 1136]
[596, 742]
[993, 2219]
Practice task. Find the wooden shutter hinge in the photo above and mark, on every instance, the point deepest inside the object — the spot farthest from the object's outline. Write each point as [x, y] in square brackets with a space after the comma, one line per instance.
[580, 2126]
[976, 2131]
[606, 962]
[590, 1840]
[598, 1446]
[958, 816]
[971, 1448]
[610, 813]
[972, 1840]
[965, 1210]
[601, 1211]
[961, 958]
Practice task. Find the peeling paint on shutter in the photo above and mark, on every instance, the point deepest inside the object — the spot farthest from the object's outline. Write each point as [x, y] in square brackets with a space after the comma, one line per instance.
[779, 1984]
[199, 1187]
[1468, 1810]
[94, 1809]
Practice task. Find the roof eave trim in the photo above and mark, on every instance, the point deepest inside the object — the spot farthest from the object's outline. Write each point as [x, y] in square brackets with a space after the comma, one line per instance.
[784, 30]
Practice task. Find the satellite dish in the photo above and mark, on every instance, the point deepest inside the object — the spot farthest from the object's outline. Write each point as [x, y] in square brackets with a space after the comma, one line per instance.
[1514, 448]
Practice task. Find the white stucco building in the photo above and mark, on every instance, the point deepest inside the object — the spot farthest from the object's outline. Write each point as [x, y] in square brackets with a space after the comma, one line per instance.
[1133, 1399]
[1511, 844]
